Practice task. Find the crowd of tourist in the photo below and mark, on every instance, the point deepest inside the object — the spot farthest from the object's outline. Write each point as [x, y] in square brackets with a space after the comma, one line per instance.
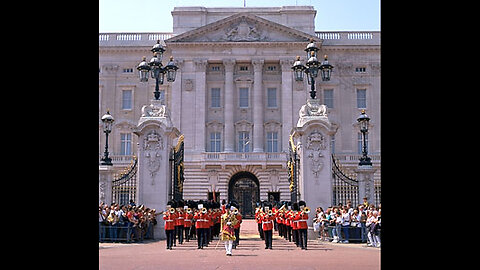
[335, 223]
[125, 222]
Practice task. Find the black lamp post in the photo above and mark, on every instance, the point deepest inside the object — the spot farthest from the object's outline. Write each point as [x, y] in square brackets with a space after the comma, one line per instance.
[107, 121]
[363, 120]
[156, 68]
[312, 67]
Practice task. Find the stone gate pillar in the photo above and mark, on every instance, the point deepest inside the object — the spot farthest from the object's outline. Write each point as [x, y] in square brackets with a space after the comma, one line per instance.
[155, 140]
[312, 136]
[366, 185]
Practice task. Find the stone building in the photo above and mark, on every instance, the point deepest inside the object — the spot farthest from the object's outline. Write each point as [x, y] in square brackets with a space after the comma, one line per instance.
[235, 99]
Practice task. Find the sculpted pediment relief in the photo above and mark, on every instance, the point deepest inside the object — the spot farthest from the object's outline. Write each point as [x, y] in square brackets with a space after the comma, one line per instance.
[242, 27]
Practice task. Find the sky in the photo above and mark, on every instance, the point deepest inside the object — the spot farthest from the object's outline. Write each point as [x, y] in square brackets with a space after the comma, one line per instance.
[127, 16]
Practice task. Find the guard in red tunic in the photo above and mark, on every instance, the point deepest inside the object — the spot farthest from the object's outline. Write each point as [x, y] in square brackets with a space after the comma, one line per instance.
[302, 218]
[236, 227]
[187, 223]
[267, 226]
[169, 217]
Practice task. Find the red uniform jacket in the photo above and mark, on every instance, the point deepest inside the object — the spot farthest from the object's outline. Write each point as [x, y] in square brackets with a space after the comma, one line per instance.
[302, 221]
[180, 219]
[294, 221]
[169, 221]
[202, 221]
[267, 222]
[239, 218]
[188, 220]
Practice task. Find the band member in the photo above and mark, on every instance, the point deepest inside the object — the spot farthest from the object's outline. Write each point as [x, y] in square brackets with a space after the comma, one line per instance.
[258, 213]
[179, 224]
[267, 226]
[294, 223]
[187, 223]
[236, 227]
[169, 217]
[302, 218]
[288, 222]
[227, 232]
[201, 219]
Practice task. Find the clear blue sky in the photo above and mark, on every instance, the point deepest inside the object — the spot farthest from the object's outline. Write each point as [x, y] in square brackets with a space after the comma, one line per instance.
[154, 15]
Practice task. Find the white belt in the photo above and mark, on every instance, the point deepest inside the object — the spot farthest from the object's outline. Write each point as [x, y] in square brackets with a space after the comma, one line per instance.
[267, 221]
[202, 219]
[181, 218]
[169, 220]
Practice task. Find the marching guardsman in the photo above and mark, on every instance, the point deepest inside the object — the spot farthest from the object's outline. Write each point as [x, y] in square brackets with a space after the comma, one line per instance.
[180, 223]
[258, 213]
[267, 226]
[236, 227]
[288, 222]
[294, 223]
[201, 220]
[187, 223]
[302, 218]
[169, 217]
[227, 233]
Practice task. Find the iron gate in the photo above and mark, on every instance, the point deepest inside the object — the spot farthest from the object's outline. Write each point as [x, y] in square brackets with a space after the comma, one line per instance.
[344, 188]
[124, 186]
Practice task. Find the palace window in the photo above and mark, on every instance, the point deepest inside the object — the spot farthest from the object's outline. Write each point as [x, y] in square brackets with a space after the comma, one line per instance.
[272, 141]
[361, 98]
[360, 69]
[125, 144]
[271, 97]
[243, 141]
[215, 97]
[243, 98]
[328, 98]
[127, 99]
[215, 141]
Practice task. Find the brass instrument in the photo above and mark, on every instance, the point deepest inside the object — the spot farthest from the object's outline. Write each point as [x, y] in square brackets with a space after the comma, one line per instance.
[204, 210]
[189, 210]
[306, 210]
[235, 211]
[270, 213]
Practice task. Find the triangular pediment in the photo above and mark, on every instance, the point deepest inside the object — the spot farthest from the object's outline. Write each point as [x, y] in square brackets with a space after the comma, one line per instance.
[242, 27]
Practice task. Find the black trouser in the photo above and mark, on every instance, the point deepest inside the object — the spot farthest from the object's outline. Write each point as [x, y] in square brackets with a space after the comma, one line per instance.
[288, 233]
[237, 237]
[179, 233]
[268, 238]
[201, 235]
[187, 233]
[260, 230]
[170, 236]
[295, 236]
[302, 238]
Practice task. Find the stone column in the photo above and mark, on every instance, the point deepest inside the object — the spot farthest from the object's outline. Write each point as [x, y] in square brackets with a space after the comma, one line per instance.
[229, 108]
[176, 93]
[257, 99]
[286, 101]
[105, 178]
[312, 136]
[200, 94]
[155, 142]
[366, 185]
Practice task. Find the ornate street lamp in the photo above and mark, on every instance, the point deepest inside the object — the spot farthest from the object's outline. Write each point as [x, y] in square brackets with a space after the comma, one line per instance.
[107, 121]
[312, 67]
[156, 69]
[363, 121]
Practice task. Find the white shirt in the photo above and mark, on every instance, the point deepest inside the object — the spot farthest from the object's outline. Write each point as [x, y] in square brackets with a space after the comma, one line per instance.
[345, 219]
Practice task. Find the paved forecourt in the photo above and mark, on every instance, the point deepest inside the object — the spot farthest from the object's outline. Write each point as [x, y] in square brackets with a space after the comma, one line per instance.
[250, 254]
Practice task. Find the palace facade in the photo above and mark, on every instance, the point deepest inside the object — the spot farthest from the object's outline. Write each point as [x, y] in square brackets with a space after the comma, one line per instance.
[235, 99]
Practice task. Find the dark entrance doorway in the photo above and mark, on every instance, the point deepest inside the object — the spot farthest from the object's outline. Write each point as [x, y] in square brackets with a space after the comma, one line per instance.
[245, 189]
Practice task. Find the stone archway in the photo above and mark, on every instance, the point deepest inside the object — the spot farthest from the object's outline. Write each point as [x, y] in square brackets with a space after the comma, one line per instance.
[244, 188]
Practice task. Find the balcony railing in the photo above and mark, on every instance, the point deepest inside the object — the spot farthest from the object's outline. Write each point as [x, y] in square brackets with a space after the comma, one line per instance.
[329, 38]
